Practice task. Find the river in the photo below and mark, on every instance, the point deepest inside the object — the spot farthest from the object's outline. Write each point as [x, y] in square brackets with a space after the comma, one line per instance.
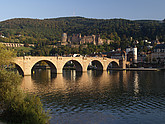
[109, 97]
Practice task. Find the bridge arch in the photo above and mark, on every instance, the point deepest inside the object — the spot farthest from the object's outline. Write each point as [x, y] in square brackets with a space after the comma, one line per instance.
[77, 64]
[19, 69]
[97, 64]
[51, 65]
[113, 64]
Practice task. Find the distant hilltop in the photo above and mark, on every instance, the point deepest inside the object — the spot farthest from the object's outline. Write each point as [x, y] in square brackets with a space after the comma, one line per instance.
[32, 30]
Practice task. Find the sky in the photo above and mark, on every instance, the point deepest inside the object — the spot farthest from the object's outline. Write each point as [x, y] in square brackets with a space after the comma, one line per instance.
[99, 9]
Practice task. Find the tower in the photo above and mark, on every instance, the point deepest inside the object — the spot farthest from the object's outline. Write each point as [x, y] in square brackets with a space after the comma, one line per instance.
[64, 37]
[98, 40]
[94, 39]
[79, 36]
[131, 53]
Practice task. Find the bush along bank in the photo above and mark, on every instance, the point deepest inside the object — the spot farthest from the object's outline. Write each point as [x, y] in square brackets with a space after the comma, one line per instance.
[17, 106]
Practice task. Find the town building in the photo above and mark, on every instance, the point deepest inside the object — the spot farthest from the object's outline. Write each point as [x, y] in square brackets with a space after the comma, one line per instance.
[158, 54]
[118, 54]
[141, 58]
[16, 44]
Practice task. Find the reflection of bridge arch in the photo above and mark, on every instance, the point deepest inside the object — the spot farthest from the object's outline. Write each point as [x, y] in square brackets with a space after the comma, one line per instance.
[27, 63]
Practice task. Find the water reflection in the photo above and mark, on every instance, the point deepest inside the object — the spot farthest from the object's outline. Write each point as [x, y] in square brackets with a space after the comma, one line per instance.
[27, 83]
[71, 75]
[136, 83]
[101, 97]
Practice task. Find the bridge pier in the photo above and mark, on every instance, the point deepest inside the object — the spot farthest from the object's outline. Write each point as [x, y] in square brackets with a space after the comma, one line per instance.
[27, 72]
[59, 70]
[122, 64]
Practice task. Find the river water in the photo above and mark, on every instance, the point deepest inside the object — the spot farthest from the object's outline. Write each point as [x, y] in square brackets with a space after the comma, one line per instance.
[109, 97]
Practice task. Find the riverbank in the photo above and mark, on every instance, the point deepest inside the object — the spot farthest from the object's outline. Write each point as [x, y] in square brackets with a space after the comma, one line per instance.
[142, 69]
[163, 69]
[138, 69]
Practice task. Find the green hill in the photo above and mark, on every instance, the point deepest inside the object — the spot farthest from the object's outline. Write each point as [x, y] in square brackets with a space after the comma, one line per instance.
[33, 30]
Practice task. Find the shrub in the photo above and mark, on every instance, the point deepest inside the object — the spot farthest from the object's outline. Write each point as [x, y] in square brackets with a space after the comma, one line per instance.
[16, 106]
[26, 110]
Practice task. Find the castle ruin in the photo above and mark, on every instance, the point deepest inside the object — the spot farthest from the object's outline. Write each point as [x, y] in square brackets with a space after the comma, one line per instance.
[77, 39]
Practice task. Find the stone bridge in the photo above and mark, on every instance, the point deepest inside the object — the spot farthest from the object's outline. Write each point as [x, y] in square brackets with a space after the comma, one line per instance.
[25, 64]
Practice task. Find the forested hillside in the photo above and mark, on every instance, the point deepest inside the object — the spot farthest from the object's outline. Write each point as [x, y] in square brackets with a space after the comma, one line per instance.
[26, 30]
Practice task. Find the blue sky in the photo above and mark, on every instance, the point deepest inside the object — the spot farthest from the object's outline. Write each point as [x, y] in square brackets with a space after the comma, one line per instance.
[101, 9]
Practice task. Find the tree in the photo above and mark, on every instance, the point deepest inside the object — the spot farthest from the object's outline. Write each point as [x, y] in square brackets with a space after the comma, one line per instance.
[6, 55]
[16, 106]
